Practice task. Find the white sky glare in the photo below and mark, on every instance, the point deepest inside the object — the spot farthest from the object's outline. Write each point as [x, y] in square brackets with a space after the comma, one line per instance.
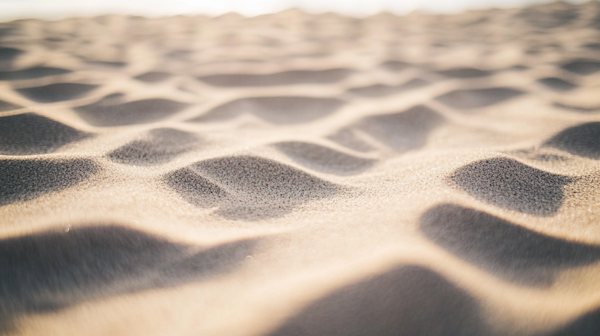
[58, 9]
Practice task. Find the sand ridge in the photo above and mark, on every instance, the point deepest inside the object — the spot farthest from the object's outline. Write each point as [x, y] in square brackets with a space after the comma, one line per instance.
[302, 174]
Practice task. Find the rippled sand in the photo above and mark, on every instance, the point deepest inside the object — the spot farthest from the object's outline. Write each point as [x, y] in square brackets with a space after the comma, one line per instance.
[299, 174]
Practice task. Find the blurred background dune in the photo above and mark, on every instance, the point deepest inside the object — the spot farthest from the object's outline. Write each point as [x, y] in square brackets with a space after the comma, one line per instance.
[53, 10]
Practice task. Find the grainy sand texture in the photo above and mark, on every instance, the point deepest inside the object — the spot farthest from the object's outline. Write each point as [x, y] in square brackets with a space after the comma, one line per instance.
[300, 174]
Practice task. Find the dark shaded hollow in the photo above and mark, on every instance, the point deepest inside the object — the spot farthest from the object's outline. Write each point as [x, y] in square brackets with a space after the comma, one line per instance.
[582, 67]
[547, 20]
[402, 131]
[108, 112]
[153, 77]
[323, 159]
[32, 73]
[586, 325]
[476, 98]
[508, 250]
[582, 140]
[6, 106]
[519, 67]
[575, 108]
[408, 300]
[54, 39]
[179, 54]
[276, 110]
[592, 46]
[557, 84]
[512, 185]
[264, 179]
[247, 188]
[280, 78]
[380, 90]
[29, 133]
[6, 31]
[8, 54]
[196, 189]
[56, 92]
[159, 146]
[52, 270]
[595, 22]
[465, 73]
[23, 180]
[107, 63]
[203, 193]
[394, 66]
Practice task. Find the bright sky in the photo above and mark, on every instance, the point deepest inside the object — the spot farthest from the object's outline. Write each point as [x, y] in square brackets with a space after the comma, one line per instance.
[57, 9]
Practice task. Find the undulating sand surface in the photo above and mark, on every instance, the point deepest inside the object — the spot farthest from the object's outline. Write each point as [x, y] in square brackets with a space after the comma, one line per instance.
[301, 174]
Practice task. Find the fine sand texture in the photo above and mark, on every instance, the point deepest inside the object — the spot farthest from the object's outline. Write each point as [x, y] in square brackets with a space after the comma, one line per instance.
[301, 174]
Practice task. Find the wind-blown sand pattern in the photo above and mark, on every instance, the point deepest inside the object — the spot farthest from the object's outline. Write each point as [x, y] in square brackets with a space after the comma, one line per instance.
[301, 174]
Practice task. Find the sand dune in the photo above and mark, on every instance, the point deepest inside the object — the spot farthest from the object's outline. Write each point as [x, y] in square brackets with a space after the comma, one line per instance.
[298, 109]
[302, 174]
[99, 261]
[108, 112]
[18, 138]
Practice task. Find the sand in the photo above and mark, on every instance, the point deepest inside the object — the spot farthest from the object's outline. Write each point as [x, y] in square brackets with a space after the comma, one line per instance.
[302, 174]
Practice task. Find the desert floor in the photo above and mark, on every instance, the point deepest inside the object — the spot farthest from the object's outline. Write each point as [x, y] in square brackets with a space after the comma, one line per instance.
[301, 174]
